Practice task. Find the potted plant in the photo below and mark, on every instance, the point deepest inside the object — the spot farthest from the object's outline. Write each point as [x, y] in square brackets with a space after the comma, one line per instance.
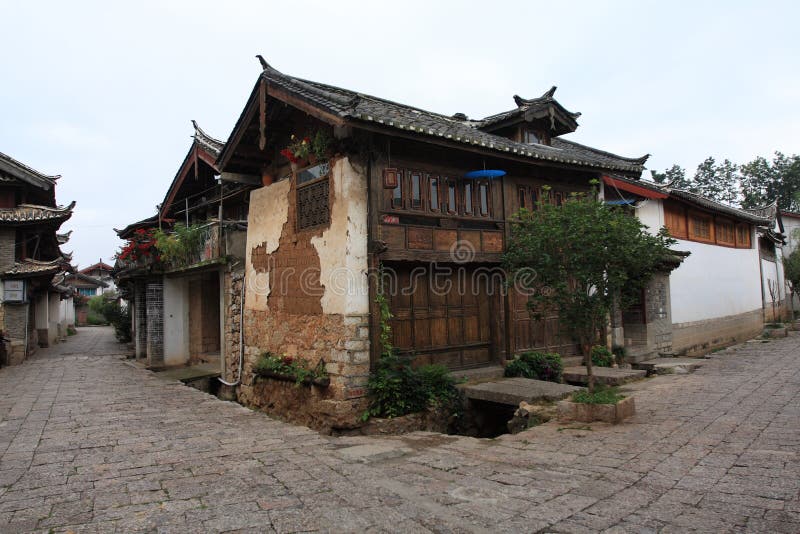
[297, 152]
[605, 404]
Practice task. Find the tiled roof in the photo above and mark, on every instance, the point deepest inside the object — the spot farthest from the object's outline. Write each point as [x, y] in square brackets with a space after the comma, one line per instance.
[125, 233]
[544, 106]
[63, 238]
[11, 168]
[30, 267]
[99, 265]
[211, 145]
[761, 219]
[359, 107]
[31, 213]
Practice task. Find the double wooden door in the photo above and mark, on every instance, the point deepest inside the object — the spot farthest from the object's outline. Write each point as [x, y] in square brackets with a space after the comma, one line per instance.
[445, 314]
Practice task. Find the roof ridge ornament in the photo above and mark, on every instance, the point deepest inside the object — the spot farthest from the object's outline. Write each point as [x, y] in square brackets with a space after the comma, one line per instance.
[522, 102]
[264, 64]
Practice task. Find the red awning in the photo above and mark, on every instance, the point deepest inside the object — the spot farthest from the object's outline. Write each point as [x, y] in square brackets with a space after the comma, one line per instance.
[642, 191]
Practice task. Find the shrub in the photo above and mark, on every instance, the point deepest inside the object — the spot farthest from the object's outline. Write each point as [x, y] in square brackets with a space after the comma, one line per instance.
[396, 388]
[602, 357]
[288, 366]
[620, 354]
[536, 365]
[601, 395]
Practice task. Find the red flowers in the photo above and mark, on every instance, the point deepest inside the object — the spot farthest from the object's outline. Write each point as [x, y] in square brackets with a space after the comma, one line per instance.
[289, 155]
[141, 245]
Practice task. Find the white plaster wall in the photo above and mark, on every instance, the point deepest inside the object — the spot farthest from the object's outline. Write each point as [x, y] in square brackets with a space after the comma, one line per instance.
[42, 311]
[651, 213]
[342, 248]
[714, 282]
[176, 321]
[790, 224]
[54, 304]
[269, 211]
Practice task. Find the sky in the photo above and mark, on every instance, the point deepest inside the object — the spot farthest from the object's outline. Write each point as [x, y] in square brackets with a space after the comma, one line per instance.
[103, 93]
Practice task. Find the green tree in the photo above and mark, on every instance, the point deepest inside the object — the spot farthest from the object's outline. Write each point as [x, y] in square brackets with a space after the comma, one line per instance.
[791, 270]
[718, 182]
[582, 259]
[765, 181]
[675, 176]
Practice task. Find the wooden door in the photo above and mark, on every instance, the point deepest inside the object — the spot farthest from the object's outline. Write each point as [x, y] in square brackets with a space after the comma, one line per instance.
[444, 318]
[543, 334]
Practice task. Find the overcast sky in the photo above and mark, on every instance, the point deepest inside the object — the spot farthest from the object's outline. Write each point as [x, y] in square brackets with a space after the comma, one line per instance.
[103, 92]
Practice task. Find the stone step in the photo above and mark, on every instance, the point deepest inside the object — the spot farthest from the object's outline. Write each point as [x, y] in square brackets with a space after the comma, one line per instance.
[572, 361]
[479, 374]
[512, 391]
[663, 366]
[609, 376]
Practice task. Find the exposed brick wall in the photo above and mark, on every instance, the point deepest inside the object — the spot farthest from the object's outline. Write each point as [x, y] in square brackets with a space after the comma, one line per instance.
[155, 323]
[294, 324]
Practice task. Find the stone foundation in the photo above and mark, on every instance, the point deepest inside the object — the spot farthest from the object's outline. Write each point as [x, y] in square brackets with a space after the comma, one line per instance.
[699, 337]
[312, 406]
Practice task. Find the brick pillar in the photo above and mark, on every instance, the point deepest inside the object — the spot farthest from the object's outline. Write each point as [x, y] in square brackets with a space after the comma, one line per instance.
[140, 320]
[155, 323]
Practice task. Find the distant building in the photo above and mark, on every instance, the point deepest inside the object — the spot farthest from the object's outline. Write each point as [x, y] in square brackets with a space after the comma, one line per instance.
[30, 300]
[98, 272]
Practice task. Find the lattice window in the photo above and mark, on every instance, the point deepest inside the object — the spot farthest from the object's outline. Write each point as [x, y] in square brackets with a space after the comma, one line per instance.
[312, 205]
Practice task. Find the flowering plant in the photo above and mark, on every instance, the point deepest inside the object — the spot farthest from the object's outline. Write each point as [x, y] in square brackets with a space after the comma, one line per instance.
[142, 245]
[298, 149]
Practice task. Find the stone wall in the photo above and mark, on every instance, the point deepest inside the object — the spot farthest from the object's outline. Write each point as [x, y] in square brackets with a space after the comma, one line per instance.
[140, 320]
[306, 297]
[698, 337]
[233, 282]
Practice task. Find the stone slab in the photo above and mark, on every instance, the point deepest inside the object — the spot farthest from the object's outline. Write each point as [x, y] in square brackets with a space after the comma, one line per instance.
[512, 391]
[588, 413]
[479, 374]
[609, 376]
[194, 372]
[373, 452]
[662, 366]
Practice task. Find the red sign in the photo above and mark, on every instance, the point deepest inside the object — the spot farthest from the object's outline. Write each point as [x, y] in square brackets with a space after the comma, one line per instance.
[391, 219]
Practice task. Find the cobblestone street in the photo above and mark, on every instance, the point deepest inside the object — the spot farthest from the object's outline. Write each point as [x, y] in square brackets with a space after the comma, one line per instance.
[90, 443]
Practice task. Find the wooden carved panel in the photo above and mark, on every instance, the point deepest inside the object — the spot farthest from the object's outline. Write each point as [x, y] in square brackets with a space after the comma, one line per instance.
[420, 238]
[394, 236]
[492, 241]
[444, 239]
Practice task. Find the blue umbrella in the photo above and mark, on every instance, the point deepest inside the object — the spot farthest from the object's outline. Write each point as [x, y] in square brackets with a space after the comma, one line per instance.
[486, 173]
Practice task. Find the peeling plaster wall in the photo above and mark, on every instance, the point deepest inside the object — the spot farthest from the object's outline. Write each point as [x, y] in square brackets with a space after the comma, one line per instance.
[344, 274]
[176, 321]
[269, 212]
[307, 297]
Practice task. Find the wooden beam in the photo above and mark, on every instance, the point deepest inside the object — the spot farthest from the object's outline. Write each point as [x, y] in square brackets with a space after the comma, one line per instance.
[302, 105]
[248, 179]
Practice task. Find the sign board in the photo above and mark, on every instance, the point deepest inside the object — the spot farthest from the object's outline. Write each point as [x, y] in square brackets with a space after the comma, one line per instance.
[13, 290]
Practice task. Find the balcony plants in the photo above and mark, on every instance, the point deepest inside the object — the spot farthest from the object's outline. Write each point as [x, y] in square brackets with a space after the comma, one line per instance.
[180, 247]
[140, 248]
[291, 369]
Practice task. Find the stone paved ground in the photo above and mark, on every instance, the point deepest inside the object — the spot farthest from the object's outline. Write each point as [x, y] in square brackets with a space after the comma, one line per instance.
[91, 444]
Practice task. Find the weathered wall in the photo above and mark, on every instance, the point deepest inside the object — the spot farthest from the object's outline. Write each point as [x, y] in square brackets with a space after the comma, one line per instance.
[41, 309]
[697, 337]
[155, 324]
[306, 296]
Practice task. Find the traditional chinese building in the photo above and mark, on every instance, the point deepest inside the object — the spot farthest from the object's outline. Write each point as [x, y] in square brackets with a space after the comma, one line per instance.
[30, 257]
[186, 310]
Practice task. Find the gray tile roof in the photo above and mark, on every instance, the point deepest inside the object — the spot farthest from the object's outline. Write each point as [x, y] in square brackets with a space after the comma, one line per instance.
[763, 217]
[11, 169]
[31, 213]
[30, 267]
[211, 145]
[541, 107]
[359, 107]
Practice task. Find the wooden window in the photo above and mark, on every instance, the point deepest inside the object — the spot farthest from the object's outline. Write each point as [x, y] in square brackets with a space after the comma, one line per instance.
[416, 190]
[701, 227]
[483, 191]
[468, 200]
[725, 233]
[433, 195]
[531, 137]
[312, 204]
[558, 198]
[521, 194]
[397, 192]
[743, 232]
[535, 196]
[452, 207]
[675, 221]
